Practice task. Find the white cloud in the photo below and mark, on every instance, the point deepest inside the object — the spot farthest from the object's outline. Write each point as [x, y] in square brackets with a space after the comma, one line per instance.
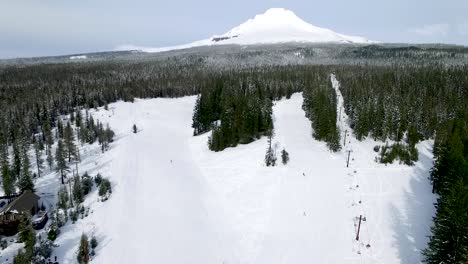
[432, 30]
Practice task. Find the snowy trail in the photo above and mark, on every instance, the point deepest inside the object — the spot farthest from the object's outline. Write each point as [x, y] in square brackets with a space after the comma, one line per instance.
[278, 215]
[157, 210]
[175, 201]
[395, 200]
[308, 216]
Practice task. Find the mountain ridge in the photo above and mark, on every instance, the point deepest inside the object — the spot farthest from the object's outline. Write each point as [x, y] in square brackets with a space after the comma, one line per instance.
[276, 25]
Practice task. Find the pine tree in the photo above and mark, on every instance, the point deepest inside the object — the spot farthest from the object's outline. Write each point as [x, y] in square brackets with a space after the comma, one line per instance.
[63, 198]
[196, 117]
[284, 156]
[77, 189]
[449, 165]
[60, 159]
[16, 167]
[91, 126]
[69, 142]
[84, 133]
[7, 179]
[83, 251]
[49, 139]
[72, 117]
[449, 241]
[107, 136]
[27, 235]
[50, 159]
[79, 118]
[270, 156]
[25, 181]
[59, 129]
[39, 160]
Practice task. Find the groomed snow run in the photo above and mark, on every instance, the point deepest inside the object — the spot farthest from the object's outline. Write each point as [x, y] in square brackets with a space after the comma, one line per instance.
[174, 201]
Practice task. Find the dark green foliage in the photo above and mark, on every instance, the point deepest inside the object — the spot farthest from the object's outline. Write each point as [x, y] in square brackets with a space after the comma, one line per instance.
[22, 257]
[7, 179]
[270, 155]
[201, 119]
[16, 167]
[50, 159]
[77, 190]
[407, 154]
[60, 159]
[59, 130]
[284, 156]
[47, 133]
[83, 250]
[27, 236]
[25, 181]
[39, 160]
[320, 107]
[387, 101]
[69, 143]
[98, 179]
[75, 212]
[53, 233]
[105, 136]
[3, 243]
[43, 251]
[94, 242]
[86, 184]
[238, 114]
[63, 198]
[451, 150]
[449, 240]
[105, 187]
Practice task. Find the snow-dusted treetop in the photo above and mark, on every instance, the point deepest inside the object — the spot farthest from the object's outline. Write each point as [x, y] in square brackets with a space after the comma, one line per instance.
[276, 25]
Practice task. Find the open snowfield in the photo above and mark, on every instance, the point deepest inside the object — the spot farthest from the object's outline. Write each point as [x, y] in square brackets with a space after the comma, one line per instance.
[175, 201]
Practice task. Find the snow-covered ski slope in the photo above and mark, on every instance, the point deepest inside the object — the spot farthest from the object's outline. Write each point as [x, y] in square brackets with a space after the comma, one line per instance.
[174, 201]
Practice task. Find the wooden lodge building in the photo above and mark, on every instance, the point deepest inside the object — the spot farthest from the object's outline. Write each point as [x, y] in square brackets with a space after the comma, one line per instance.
[26, 205]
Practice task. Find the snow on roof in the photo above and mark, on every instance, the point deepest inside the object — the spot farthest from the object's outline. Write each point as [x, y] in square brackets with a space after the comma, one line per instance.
[25, 202]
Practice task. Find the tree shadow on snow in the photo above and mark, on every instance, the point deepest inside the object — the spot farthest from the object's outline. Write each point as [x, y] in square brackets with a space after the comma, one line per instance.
[411, 224]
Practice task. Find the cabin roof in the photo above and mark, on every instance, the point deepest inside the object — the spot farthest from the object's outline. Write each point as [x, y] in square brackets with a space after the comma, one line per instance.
[24, 203]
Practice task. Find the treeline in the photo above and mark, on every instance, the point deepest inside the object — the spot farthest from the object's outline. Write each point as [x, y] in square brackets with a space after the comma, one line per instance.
[408, 104]
[449, 241]
[55, 145]
[403, 103]
[246, 114]
[28, 94]
[385, 102]
[237, 111]
[320, 104]
[237, 106]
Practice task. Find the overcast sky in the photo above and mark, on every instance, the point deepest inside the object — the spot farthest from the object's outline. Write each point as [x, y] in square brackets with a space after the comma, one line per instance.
[54, 27]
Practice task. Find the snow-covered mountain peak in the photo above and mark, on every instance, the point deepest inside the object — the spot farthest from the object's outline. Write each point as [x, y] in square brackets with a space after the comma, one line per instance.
[276, 25]
[273, 19]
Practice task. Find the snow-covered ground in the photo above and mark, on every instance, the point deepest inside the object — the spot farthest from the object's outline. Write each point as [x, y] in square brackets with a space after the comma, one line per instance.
[78, 57]
[174, 201]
